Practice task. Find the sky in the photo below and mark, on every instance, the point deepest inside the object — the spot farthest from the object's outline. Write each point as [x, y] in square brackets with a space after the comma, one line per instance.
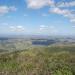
[44, 17]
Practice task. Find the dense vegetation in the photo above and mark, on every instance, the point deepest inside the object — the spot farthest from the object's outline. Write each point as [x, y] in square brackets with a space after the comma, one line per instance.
[39, 61]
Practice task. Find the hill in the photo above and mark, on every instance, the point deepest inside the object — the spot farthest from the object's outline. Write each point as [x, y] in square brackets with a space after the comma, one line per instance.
[53, 60]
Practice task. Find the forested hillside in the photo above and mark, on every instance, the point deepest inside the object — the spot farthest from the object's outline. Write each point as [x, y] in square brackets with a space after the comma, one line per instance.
[53, 60]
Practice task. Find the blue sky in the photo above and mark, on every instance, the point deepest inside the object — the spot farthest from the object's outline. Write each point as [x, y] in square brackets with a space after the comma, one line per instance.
[47, 17]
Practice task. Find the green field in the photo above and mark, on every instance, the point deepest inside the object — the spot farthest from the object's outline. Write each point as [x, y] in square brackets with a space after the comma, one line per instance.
[56, 60]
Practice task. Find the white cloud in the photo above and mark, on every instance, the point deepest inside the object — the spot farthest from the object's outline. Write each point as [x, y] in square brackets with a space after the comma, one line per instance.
[68, 13]
[43, 28]
[47, 29]
[55, 7]
[17, 28]
[57, 10]
[71, 16]
[66, 4]
[36, 4]
[64, 12]
[6, 9]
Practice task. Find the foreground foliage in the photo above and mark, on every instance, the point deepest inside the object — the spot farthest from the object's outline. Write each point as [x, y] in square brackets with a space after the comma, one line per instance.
[39, 61]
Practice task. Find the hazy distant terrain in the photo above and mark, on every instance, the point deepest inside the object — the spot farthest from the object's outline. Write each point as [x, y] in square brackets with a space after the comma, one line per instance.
[21, 43]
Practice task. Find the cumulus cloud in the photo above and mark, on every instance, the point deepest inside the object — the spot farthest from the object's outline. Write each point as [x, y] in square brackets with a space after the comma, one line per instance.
[64, 12]
[55, 7]
[6, 9]
[36, 4]
[57, 10]
[17, 28]
[66, 4]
